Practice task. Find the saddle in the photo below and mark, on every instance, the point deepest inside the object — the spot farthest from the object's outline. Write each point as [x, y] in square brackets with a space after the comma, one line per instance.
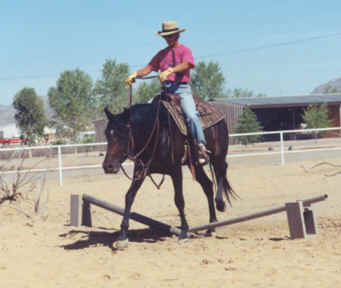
[209, 115]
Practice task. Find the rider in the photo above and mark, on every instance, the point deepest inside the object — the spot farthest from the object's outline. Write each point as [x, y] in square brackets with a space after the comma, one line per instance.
[175, 63]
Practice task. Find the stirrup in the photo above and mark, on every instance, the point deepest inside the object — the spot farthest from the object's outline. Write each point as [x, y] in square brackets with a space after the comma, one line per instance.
[203, 151]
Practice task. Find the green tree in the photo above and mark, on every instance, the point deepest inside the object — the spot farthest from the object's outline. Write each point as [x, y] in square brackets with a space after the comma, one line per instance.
[248, 123]
[316, 116]
[146, 91]
[73, 100]
[207, 81]
[110, 90]
[30, 115]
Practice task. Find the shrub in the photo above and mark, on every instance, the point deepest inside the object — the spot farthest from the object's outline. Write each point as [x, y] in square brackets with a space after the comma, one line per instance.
[248, 123]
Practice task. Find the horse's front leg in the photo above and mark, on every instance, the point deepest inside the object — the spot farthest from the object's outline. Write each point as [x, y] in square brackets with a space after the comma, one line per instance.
[179, 200]
[122, 241]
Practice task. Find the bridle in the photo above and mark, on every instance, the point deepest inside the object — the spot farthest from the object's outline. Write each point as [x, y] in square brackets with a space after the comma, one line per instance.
[143, 168]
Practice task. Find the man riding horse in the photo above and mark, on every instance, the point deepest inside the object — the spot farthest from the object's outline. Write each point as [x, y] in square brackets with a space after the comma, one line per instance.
[148, 135]
[174, 63]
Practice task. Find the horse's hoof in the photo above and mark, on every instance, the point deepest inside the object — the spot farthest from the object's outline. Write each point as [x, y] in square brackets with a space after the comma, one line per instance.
[184, 236]
[221, 206]
[120, 244]
[210, 233]
[185, 239]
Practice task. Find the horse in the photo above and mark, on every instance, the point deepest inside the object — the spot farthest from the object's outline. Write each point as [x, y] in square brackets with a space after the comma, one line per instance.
[146, 134]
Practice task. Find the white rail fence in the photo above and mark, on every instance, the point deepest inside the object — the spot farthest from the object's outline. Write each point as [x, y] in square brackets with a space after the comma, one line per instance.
[59, 156]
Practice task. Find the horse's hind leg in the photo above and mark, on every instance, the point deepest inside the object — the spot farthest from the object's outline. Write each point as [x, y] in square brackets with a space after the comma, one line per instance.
[207, 186]
[217, 138]
[220, 170]
[179, 199]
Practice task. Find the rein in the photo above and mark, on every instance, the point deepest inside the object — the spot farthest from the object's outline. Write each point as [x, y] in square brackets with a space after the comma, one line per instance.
[131, 147]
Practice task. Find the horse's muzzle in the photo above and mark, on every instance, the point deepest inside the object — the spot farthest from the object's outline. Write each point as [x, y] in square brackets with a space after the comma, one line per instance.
[110, 168]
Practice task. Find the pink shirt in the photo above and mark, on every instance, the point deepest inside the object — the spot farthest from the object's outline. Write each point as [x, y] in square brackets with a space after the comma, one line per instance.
[165, 59]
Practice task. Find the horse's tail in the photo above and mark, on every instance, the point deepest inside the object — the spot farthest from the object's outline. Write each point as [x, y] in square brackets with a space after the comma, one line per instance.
[223, 185]
[228, 191]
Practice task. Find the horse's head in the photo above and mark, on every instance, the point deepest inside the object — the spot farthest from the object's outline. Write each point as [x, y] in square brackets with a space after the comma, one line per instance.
[117, 135]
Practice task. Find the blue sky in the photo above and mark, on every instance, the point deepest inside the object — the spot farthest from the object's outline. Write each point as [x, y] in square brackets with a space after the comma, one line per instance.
[280, 48]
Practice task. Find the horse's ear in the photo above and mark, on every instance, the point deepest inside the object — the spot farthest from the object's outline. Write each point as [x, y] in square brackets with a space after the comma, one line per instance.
[108, 113]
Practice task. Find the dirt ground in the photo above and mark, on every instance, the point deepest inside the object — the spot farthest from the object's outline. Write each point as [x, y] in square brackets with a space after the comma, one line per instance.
[38, 253]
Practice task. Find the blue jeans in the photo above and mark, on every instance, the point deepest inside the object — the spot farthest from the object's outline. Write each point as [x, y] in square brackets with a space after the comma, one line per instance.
[189, 109]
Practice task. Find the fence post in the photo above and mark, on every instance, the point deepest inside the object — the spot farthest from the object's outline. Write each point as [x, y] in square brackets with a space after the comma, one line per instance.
[60, 165]
[282, 148]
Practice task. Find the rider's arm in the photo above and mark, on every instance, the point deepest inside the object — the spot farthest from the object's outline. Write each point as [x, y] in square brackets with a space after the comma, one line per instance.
[144, 71]
[182, 67]
[138, 74]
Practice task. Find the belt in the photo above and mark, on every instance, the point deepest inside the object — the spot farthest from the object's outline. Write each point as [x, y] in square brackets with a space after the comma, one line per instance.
[174, 82]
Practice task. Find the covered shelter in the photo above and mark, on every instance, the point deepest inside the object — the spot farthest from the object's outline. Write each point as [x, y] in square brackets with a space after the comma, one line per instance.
[279, 113]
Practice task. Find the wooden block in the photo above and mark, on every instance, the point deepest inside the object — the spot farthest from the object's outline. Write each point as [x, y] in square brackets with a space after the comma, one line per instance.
[86, 214]
[295, 219]
[76, 210]
[309, 221]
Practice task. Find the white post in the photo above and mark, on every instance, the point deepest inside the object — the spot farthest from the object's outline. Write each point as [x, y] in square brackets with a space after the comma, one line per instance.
[282, 148]
[60, 166]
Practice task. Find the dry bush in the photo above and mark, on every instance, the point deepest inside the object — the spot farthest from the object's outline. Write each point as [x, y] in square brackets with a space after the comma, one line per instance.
[21, 189]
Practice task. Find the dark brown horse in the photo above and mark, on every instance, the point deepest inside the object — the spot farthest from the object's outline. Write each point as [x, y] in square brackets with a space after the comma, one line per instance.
[148, 135]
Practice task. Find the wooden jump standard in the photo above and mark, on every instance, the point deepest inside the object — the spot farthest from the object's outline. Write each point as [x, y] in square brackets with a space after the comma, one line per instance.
[300, 216]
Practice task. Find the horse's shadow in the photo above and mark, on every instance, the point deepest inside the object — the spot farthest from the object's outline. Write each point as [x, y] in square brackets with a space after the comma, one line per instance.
[95, 238]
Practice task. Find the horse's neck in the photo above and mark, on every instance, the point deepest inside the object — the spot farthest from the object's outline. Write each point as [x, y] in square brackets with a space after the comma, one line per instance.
[142, 122]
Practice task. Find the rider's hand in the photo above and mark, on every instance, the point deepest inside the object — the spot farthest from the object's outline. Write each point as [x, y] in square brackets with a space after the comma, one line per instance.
[131, 79]
[164, 74]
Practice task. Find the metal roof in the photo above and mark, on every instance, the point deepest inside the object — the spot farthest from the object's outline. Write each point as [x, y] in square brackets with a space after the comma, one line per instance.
[287, 101]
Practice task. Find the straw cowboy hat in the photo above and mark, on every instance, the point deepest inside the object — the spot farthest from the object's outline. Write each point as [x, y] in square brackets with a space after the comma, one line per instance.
[169, 28]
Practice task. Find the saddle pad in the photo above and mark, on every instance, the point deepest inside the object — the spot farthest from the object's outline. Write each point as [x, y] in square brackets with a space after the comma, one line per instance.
[209, 115]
